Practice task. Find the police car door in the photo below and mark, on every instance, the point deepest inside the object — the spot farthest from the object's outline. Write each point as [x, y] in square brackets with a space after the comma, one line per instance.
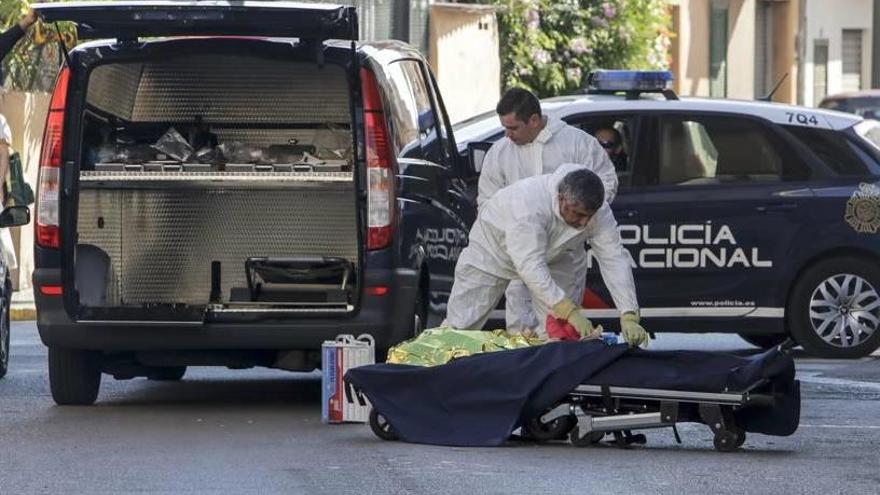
[721, 197]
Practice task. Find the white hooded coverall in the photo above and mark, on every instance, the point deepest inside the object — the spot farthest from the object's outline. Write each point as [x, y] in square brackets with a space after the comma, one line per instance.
[506, 162]
[519, 234]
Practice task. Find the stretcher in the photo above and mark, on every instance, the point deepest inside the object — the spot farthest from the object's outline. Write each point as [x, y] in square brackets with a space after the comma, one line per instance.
[591, 412]
[594, 411]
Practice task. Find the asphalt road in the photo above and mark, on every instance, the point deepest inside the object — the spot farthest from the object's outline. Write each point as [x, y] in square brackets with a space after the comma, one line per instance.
[259, 431]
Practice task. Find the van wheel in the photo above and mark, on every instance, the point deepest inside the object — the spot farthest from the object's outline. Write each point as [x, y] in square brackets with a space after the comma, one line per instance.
[764, 341]
[167, 373]
[834, 309]
[4, 333]
[74, 376]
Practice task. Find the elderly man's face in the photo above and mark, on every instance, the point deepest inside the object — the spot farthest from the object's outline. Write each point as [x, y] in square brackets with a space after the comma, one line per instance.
[608, 139]
[574, 213]
[521, 133]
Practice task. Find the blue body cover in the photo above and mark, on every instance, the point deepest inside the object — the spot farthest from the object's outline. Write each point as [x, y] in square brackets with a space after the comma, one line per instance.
[479, 400]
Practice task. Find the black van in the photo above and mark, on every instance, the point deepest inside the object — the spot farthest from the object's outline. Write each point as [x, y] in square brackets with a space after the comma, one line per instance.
[232, 184]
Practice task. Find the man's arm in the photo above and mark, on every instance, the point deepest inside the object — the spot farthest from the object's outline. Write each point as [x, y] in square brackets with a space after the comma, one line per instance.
[491, 176]
[591, 154]
[10, 37]
[614, 260]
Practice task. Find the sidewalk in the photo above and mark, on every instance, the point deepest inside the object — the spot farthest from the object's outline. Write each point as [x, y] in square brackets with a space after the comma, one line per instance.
[23, 305]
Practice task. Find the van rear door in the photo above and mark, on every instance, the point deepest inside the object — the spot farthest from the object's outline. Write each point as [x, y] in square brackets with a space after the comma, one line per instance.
[128, 20]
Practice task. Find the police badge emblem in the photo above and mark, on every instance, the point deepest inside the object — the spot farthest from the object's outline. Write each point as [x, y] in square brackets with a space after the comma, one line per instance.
[863, 209]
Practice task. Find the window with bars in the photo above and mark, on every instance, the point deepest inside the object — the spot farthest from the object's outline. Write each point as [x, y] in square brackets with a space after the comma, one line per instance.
[820, 71]
[763, 49]
[851, 58]
[718, 49]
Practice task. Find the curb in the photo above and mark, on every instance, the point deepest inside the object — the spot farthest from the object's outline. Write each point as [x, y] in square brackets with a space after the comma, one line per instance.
[22, 314]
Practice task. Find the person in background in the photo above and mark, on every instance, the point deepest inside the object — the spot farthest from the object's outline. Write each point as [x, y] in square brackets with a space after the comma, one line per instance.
[612, 142]
[8, 39]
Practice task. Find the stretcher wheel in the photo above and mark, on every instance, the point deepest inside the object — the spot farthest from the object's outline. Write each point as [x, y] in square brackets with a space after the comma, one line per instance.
[728, 441]
[740, 438]
[381, 427]
[554, 430]
[591, 438]
[636, 439]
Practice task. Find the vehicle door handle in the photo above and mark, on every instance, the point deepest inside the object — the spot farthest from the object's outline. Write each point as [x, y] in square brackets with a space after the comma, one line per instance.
[776, 207]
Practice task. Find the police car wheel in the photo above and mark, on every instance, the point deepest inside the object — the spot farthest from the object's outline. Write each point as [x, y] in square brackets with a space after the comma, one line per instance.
[834, 310]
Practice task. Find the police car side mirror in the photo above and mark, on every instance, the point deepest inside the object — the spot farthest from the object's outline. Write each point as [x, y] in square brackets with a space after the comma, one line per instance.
[15, 216]
[476, 153]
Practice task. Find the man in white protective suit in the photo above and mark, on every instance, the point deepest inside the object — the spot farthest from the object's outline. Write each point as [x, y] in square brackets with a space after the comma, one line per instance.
[535, 144]
[525, 232]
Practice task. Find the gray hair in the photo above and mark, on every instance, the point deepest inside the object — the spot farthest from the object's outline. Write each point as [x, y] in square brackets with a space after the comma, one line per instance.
[583, 187]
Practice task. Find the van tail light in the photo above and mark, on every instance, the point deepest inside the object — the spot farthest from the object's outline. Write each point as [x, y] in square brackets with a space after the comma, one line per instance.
[48, 234]
[381, 199]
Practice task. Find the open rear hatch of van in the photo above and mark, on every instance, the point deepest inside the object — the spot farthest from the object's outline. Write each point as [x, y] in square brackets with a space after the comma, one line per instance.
[216, 182]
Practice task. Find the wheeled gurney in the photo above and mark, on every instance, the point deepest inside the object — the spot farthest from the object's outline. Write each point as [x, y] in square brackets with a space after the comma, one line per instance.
[590, 412]
[633, 390]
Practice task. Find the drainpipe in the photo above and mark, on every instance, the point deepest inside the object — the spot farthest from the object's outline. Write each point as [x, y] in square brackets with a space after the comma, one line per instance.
[875, 47]
[400, 23]
[801, 51]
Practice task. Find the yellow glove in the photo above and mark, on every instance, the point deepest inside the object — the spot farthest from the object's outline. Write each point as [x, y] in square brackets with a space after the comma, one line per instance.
[632, 332]
[571, 312]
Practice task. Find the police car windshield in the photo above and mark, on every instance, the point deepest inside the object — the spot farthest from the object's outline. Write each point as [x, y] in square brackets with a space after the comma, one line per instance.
[471, 120]
[869, 130]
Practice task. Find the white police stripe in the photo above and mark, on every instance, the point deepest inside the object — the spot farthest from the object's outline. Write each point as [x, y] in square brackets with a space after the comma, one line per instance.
[682, 312]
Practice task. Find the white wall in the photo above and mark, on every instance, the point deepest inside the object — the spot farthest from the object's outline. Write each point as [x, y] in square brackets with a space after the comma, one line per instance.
[741, 50]
[826, 19]
[26, 114]
[464, 57]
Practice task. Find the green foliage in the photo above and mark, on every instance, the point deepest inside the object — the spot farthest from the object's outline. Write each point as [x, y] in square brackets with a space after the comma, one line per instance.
[33, 63]
[550, 46]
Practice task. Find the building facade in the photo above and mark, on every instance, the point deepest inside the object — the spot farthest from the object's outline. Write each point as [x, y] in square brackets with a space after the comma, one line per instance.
[744, 48]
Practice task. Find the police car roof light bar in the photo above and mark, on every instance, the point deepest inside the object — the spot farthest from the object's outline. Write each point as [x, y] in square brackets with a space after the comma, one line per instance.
[631, 82]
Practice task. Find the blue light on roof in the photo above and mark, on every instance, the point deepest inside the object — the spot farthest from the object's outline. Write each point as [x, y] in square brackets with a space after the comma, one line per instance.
[629, 80]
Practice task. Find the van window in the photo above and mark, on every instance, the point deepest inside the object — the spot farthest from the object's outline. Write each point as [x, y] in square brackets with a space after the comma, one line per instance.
[432, 145]
[442, 118]
[833, 148]
[711, 150]
[404, 115]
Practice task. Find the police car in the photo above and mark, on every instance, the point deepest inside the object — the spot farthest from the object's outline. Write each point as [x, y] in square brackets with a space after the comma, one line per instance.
[740, 216]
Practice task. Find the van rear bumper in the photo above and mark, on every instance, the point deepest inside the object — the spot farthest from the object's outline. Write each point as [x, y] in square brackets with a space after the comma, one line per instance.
[387, 318]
